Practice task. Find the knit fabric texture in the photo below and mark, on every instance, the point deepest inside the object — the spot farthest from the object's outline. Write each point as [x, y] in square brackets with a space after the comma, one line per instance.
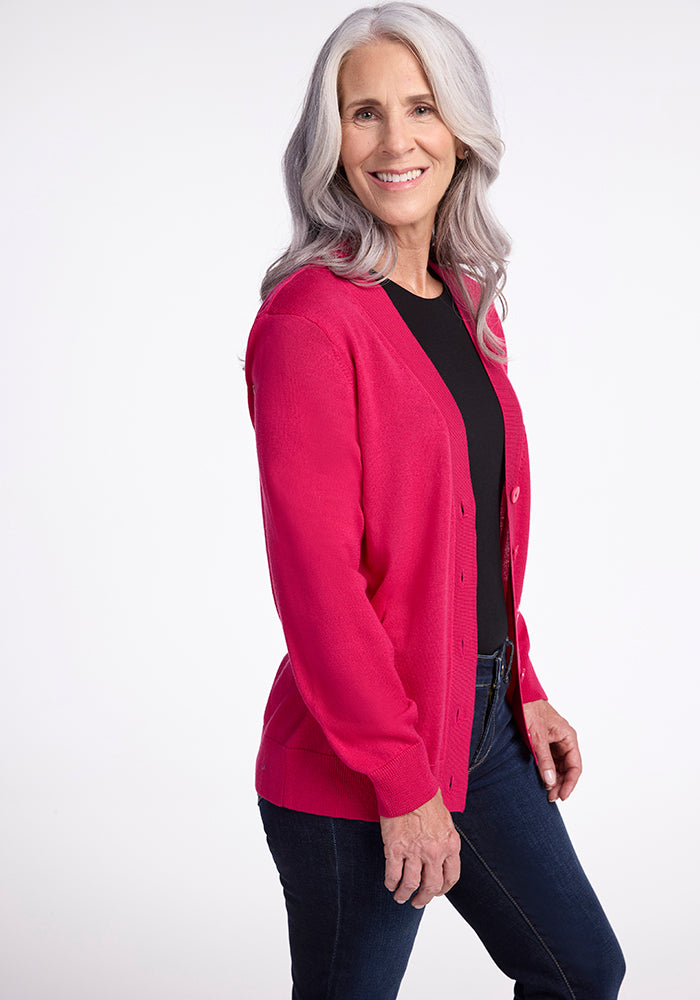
[370, 531]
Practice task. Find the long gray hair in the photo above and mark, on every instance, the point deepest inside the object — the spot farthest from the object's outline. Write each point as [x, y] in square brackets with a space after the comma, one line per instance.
[332, 227]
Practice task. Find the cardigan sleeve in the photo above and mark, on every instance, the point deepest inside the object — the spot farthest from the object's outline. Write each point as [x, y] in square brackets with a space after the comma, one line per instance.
[530, 687]
[529, 684]
[303, 404]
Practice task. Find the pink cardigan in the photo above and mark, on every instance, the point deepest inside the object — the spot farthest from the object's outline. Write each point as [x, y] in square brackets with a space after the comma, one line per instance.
[369, 525]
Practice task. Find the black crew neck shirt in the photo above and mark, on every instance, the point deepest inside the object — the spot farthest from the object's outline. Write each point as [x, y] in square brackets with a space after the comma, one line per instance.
[439, 329]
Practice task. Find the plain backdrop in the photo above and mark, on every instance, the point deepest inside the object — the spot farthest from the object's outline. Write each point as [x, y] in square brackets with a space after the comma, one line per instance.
[142, 202]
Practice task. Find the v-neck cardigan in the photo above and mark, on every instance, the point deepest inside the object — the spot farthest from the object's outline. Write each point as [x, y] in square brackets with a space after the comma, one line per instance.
[369, 523]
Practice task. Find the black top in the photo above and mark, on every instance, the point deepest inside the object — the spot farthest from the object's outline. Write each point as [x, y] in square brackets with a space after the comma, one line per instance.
[439, 329]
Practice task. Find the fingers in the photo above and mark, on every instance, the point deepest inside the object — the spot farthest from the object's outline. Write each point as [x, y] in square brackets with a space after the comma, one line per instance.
[421, 850]
[556, 746]
[545, 762]
[570, 768]
[451, 870]
[410, 882]
[567, 759]
[430, 886]
[426, 880]
[437, 879]
[548, 771]
[393, 870]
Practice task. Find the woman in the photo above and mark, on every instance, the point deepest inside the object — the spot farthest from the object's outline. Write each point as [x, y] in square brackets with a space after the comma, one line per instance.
[396, 762]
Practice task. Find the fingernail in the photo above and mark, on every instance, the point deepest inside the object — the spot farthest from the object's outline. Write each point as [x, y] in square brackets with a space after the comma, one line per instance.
[549, 777]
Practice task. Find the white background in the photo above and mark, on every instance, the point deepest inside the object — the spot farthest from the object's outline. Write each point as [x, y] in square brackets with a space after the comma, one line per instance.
[142, 202]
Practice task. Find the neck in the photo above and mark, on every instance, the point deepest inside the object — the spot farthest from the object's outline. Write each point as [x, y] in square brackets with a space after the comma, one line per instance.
[411, 271]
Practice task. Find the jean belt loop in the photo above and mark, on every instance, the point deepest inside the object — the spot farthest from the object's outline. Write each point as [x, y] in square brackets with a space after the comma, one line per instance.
[509, 648]
[497, 668]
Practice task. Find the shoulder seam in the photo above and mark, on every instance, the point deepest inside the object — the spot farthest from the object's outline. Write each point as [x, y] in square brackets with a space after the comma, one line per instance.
[342, 361]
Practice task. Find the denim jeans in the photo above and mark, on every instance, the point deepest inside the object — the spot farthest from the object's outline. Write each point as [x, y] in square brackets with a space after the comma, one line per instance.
[521, 886]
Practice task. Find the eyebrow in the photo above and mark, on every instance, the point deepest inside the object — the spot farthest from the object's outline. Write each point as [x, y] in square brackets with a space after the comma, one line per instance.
[371, 102]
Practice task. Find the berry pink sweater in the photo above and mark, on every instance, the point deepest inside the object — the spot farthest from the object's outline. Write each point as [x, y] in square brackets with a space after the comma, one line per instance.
[369, 525]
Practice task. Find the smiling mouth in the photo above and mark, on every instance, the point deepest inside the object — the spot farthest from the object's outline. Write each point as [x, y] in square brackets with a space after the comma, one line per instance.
[393, 178]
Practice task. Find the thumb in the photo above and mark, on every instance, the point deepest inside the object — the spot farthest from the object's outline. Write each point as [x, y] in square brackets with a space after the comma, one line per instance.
[545, 765]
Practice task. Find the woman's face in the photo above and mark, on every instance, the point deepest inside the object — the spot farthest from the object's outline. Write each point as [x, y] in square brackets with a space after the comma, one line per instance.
[398, 155]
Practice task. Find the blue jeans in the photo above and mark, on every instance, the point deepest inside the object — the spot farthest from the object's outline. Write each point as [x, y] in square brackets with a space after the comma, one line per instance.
[521, 886]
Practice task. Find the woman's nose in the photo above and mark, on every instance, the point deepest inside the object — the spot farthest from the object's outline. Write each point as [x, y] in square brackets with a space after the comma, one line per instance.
[396, 138]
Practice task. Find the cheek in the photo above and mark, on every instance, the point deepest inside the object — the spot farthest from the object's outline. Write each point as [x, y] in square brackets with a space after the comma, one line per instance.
[354, 150]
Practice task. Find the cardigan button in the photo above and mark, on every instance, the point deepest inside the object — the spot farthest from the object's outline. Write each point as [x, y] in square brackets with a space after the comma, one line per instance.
[515, 493]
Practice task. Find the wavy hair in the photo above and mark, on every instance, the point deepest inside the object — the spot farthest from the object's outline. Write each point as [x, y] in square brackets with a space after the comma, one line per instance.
[330, 225]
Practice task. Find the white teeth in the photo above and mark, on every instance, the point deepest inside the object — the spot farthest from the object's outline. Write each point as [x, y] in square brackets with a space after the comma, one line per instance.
[410, 175]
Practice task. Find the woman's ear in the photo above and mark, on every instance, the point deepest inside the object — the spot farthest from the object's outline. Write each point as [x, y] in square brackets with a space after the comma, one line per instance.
[462, 151]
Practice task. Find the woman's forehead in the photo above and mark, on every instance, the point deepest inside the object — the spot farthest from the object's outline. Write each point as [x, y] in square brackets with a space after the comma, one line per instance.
[379, 65]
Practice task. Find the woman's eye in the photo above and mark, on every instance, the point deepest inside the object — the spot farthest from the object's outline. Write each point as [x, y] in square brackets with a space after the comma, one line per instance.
[423, 110]
[364, 115]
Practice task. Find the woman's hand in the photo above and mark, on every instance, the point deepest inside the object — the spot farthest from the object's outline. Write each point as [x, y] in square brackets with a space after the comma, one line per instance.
[422, 852]
[556, 744]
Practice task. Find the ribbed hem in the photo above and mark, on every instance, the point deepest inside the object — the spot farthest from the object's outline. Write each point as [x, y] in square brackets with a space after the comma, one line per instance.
[321, 784]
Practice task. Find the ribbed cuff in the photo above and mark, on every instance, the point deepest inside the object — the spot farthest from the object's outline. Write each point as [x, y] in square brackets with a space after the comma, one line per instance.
[530, 687]
[405, 782]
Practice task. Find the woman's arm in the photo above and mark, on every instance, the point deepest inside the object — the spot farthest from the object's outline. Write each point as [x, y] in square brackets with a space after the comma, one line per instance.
[304, 408]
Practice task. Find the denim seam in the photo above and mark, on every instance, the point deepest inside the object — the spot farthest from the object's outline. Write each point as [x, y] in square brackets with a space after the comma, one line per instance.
[488, 749]
[337, 921]
[518, 908]
[489, 722]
